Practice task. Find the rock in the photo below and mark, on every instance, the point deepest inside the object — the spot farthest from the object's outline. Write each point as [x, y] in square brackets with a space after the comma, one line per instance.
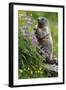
[51, 67]
[50, 70]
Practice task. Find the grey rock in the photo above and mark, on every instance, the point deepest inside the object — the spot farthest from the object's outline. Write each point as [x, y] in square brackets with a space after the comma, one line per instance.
[51, 67]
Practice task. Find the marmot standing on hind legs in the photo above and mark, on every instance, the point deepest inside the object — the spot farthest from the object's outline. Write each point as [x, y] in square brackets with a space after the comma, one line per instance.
[44, 38]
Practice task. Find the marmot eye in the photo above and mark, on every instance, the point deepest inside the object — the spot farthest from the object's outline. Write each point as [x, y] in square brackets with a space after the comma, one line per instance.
[42, 19]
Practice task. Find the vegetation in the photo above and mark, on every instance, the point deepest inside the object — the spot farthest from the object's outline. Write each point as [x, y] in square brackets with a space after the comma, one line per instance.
[30, 61]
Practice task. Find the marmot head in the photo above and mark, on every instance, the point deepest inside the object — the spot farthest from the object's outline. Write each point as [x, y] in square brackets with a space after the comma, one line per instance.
[42, 21]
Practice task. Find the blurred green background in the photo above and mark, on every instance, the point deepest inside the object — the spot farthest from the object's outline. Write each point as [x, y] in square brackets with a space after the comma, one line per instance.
[30, 61]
